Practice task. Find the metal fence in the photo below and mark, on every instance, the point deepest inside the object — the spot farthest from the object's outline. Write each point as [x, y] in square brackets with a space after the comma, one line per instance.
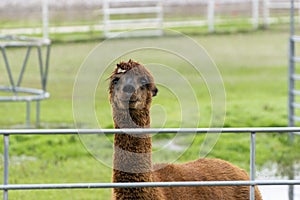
[294, 76]
[251, 183]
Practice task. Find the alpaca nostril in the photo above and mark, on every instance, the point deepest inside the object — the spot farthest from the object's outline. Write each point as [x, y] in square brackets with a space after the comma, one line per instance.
[128, 89]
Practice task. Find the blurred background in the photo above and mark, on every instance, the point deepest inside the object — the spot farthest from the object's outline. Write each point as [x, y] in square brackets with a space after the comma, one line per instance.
[248, 40]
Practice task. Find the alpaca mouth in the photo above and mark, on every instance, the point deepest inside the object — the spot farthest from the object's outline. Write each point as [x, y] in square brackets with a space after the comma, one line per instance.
[126, 101]
[129, 103]
[129, 100]
[132, 102]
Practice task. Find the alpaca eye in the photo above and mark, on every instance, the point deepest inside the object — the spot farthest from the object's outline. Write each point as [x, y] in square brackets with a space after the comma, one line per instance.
[144, 81]
[115, 81]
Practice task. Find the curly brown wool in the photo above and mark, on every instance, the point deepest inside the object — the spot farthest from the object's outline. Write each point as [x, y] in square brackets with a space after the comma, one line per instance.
[130, 92]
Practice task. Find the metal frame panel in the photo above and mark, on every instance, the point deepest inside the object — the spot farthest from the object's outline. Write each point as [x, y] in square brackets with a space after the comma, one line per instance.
[16, 92]
[292, 91]
[252, 182]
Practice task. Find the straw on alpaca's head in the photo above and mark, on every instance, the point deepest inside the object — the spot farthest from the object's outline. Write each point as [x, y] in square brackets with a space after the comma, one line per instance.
[131, 86]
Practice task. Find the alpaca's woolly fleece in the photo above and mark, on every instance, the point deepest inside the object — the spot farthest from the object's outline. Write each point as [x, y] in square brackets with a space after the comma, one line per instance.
[130, 92]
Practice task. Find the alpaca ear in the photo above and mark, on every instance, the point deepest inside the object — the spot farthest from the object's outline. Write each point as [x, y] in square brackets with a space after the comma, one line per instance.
[154, 91]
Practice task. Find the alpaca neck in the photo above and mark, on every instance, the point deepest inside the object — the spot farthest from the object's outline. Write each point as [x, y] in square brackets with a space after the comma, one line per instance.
[132, 153]
[132, 156]
[131, 118]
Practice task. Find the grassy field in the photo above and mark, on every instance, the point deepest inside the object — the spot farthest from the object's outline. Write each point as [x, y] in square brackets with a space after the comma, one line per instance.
[253, 67]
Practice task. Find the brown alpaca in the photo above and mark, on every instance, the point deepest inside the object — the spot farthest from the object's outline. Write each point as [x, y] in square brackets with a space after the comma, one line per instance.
[131, 90]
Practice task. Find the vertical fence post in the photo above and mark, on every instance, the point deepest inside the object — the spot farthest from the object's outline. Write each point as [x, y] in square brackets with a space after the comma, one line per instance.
[255, 13]
[28, 114]
[211, 15]
[291, 176]
[45, 19]
[291, 88]
[291, 67]
[8, 69]
[24, 66]
[266, 13]
[6, 165]
[37, 114]
[105, 9]
[47, 60]
[252, 164]
[160, 15]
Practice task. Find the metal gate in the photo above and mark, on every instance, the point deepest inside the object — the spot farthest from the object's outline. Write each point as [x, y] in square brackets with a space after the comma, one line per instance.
[294, 77]
[294, 83]
[251, 183]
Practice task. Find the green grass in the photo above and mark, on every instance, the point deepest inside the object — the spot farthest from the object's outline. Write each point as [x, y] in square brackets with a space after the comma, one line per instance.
[253, 67]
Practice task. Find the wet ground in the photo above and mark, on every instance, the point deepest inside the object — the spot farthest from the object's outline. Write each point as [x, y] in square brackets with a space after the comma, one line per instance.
[277, 192]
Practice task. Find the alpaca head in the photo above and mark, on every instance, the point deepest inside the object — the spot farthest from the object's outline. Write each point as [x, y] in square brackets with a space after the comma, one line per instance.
[131, 87]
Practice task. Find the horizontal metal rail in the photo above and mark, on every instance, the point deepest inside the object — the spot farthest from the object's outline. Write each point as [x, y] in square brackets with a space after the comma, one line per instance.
[296, 77]
[295, 38]
[32, 94]
[130, 21]
[296, 92]
[133, 10]
[133, 1]
[296, 118]
[140, 33]
[296, 105]
[145, 184]
[282, 5]
[296, 59]
[147, 130]
[20, 41]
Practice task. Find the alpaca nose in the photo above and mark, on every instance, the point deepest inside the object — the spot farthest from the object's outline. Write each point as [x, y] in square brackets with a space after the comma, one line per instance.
[128, 89]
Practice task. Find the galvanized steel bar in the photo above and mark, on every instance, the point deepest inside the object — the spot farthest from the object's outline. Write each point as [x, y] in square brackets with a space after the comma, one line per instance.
[7, 66]
[44, 78]
[40, 59]
[37, 114]
[24, 89]
[145, 184]
[252, 163]
[24, 66]
[15, 88]
[34, 97]
[6, 165]
[148, 130]
[291, 71]
[291, 176]
[33, 40]
[28, 114]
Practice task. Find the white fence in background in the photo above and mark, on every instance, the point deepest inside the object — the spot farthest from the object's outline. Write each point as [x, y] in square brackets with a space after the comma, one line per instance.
[117, 16]
[108, 15]
[270, 6]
